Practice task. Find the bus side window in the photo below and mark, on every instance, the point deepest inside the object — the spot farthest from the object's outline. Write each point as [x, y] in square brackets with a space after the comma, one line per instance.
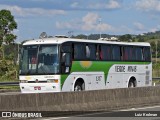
[102, 52]
[97, 52]
[128, 53]
[116, 52]
[139, 55]
[79, 51]
[91, 51]
[147, 54]
[88, 52]
[105, 52]
[108, 52]
[125, 54]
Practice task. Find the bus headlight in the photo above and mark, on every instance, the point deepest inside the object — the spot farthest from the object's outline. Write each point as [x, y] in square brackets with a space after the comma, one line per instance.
[23, 81]
[52, 81]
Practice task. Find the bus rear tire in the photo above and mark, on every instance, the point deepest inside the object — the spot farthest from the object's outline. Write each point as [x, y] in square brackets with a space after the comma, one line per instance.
[132, 83]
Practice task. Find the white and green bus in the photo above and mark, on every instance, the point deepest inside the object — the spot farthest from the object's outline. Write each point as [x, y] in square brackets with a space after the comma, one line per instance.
[66, 64]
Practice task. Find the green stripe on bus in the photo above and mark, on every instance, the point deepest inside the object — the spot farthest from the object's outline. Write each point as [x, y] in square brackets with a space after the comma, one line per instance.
[96, 66]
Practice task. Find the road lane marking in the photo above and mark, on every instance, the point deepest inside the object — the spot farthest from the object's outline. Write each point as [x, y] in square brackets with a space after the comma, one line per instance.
[142, 108]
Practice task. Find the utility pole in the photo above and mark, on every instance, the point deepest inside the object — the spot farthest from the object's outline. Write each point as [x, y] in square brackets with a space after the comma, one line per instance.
[3, 43]
[100, 20]
[70, 33]
[18, 54]
[156, 51]
[2, 46]
[87, 36]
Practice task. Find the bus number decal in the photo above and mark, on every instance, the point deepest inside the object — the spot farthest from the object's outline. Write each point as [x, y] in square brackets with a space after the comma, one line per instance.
[98, 78]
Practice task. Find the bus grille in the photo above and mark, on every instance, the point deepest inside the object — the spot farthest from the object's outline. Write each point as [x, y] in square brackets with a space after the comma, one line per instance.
[147, 77]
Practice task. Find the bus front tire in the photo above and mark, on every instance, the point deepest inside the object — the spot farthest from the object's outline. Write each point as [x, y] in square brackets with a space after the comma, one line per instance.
[79, 86]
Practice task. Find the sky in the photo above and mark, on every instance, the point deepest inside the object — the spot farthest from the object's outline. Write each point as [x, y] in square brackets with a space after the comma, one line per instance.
[61, 17]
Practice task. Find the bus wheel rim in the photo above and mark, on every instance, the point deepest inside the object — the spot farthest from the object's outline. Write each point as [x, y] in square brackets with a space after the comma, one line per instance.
[77, 88]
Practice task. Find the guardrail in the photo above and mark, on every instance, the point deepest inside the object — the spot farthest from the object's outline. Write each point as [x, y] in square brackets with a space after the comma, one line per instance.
[110, 99]
[157, 78]
[9, 83]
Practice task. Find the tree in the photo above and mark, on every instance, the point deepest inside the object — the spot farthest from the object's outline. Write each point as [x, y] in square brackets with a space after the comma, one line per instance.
[126, 37]
[81, 36]
[7, 25]
[140, 38]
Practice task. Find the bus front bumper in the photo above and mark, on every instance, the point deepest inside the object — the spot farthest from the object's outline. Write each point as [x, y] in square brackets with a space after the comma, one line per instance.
[39, 87]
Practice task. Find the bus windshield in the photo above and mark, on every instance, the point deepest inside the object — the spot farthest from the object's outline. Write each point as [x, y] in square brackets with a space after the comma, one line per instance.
[39, 59]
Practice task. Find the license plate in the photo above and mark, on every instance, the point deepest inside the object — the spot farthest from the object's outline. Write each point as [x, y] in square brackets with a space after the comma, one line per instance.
[37, 88]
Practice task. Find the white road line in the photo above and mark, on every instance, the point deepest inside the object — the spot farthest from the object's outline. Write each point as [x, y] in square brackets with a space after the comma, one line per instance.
[133, 109]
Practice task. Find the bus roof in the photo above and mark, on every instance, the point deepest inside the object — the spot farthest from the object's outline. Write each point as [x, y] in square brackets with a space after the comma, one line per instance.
[62, 40]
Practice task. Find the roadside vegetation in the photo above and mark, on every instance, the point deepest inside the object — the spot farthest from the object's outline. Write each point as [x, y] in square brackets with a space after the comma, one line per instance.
[8, 67]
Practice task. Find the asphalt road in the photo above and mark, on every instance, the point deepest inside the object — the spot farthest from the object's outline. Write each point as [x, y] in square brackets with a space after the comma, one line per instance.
[146, 113]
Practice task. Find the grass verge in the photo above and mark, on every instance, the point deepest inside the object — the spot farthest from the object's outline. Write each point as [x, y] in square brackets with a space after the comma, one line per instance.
[9, 88]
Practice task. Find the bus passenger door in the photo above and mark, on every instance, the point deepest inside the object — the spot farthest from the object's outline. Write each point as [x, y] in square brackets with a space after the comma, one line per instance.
[65, 58]
[66, 62]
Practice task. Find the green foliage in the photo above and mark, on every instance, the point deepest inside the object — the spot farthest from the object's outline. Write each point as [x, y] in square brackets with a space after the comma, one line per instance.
[10, 88]
[8, 68]
[156, 69]
[156, 65]
[93, 36]
[7, 25]
[11, 52]
[3, 67]
[126, 37]
[80, 36]
[9, 38]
